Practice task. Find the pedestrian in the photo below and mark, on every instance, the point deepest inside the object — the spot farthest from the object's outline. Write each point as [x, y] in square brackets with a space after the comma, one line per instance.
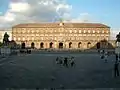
[101, 54]
[116, 70]
[57, 59]
[65, 62]
[106, 57]
[72, 62]
[60, 62]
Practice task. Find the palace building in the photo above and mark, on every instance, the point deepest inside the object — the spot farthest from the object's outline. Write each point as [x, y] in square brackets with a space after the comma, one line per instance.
[61, 35]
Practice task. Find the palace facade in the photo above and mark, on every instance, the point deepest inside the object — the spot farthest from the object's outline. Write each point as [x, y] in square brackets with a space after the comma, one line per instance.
[61, 35]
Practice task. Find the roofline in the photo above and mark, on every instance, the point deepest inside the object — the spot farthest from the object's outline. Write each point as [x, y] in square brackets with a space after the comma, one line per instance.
[105, 26]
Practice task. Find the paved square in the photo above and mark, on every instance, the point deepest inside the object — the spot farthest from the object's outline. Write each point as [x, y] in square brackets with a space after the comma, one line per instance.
[38, 70]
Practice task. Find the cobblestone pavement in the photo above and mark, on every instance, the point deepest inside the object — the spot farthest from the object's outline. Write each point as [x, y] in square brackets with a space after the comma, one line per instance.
[40, 70]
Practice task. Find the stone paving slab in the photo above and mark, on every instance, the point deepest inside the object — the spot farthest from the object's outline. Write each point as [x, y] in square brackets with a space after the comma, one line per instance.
[38, 70]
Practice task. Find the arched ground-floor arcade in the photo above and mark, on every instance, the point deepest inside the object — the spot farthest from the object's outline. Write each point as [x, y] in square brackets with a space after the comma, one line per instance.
[66, 45]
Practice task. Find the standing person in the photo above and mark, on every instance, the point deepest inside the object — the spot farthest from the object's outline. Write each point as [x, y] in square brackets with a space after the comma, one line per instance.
[116, 70]
[72, 62]
[57, 60]
[60, 61]
[106, 57]
[65, 62]
[101, 54]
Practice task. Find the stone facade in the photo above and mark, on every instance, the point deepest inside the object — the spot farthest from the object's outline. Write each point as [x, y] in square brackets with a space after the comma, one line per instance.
[61, 35]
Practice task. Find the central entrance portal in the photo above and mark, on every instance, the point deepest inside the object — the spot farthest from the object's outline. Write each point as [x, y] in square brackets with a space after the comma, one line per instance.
[60, 45]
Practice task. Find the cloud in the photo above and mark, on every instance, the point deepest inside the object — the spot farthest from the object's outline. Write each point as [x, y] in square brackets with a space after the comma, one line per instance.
[114, 32]
[21, 11]
[18, 7]
[82, 18]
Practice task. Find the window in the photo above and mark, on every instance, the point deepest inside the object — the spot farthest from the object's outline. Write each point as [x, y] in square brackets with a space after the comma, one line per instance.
[55, 38]
[37, 34]
[75, 31]
[14, 38]
[93, 31]
[89, 34]
[70, 31]
[84, 31]
[98, 31]
[37, 31]
[19, 39]
[107, 31]
[88, 31]
[32, 38]
[103, 31]
[32, 31]
[79, 31]
[28, 31]
[23, 39]
[84, 34]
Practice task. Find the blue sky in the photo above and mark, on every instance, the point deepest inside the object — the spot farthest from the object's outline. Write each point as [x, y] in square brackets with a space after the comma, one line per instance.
[106, 11]
[3, 6]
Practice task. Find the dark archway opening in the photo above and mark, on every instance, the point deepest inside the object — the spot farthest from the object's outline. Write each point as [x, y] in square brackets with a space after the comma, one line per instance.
[88, 45]
[32, 45]
[42, 45]
[98, 45]
[70, 45]
[51, 45]
[79, 45]
[23, 46]
[60, 45]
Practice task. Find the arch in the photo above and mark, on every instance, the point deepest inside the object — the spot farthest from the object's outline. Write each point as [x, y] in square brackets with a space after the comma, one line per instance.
[32, 45]
[23, 45]
[88, 45]
[79, 45]
[60, 45]
[51, 45]
[41, 45]
[104, 43]
[98, 45]
[70, 45]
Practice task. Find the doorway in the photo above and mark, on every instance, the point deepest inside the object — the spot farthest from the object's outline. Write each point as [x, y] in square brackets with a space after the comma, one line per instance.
[23, 45]
[32, 45]
[51, 45]
[60, 45]
[42, 45]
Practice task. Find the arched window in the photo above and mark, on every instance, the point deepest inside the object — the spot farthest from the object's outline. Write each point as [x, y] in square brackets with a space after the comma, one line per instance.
[23, 45]
[60, 45]
[88, 45]
[41, 45]
[51, 45]
[79, 45]
[70, 45]
[32, 45]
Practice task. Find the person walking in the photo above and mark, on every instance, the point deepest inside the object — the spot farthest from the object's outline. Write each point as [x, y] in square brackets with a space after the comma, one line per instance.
[116, 70]
[72, 62]
[102, 54]
[106, 57]
[65, 62]
[57, 60]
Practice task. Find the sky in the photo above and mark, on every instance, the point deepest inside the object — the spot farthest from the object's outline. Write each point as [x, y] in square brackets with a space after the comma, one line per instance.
[13, 12]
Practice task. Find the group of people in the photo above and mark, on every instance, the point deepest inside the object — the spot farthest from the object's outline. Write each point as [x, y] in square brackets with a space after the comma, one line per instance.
[65, 61]
[104, 55]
